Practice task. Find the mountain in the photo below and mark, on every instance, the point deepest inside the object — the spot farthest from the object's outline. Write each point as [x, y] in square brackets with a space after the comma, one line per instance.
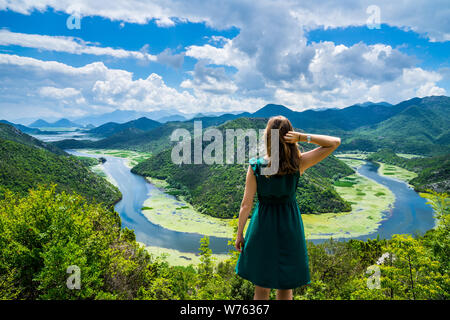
[61, 123]
[112, 128]
[122, 116]
[9, 132]
[175, 117]
[422, 127]
[154, 140]
[368, 103]
[66, 123]
[22, 128]
[270, 110]
[217, 189]
[39, 124]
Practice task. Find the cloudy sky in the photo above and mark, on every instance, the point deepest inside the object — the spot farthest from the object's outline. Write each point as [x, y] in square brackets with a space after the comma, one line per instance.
[73, 58]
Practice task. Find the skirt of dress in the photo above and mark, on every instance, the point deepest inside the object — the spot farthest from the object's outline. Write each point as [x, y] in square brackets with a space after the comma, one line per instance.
[274, 254]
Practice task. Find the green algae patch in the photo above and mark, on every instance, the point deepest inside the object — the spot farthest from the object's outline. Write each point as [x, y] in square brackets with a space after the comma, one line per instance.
[133, 157]
[358, 155]
[410, 155]
[395, 172]
[178, 215]
[178, 258]
[353, 163]
[369, 200]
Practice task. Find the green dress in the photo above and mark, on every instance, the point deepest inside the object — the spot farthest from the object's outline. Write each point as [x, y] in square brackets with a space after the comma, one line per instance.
[274, 254]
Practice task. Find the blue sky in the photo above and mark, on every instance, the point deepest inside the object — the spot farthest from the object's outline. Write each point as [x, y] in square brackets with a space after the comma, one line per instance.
[215, 56]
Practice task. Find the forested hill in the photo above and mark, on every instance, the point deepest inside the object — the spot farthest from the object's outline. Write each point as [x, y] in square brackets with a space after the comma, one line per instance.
[421, 127]
[217, 190]
[23, 167]
[9, 132]
[111, 128]
[433, 172]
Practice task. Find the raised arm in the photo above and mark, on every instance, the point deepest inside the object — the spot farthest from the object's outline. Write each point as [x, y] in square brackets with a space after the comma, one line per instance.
[327, 145]
[246, 206]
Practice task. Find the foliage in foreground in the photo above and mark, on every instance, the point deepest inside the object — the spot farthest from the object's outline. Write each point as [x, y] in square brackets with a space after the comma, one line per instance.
[45, 232]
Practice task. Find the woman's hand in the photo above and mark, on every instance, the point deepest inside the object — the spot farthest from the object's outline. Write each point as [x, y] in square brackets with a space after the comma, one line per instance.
[239, 242]
[292, 137]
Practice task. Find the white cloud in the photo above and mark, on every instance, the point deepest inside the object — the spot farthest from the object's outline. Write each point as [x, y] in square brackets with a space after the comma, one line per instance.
[66, 44]
[78, 46]
[413, 82]
[208, 79]
[226, 55]
[95, 87]
[58, 93]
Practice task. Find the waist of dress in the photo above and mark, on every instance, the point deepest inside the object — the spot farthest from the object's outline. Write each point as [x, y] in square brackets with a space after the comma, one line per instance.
[275, 199]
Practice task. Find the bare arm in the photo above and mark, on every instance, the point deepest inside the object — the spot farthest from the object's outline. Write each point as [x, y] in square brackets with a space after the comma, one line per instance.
[327, 145]
[246, 206]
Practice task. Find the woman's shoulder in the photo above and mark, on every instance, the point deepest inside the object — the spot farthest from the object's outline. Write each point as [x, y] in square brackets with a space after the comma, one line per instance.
[257, 160]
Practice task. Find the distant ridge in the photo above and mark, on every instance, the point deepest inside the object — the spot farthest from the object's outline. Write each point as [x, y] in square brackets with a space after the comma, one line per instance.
[22, 128]
[61, 123]
[112, 128]
[364, 128]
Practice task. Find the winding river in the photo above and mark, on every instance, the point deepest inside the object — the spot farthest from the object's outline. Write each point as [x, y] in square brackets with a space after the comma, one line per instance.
[135, 190]
[409, 215]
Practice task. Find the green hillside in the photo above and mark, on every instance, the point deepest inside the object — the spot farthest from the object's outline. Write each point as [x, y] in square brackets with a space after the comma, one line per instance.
[420, 128]
[111, 128]
[23, 167]
[9, 132]
[217, 190]
[433, 172]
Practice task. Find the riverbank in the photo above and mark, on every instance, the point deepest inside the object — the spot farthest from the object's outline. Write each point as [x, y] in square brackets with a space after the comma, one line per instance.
[359, 155]
[133, 157]
[395, 172]
[369, 200]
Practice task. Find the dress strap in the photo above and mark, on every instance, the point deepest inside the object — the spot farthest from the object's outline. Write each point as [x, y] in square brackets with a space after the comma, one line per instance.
[255, 164]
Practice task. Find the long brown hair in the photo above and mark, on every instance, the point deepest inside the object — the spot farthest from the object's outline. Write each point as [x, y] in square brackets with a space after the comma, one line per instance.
[289, 153]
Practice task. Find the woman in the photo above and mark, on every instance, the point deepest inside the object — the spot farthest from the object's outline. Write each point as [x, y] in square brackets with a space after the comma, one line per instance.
[273, 253]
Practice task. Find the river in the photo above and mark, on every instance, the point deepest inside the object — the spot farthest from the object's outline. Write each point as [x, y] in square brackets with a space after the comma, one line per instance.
[135, 190]
[410, 213]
